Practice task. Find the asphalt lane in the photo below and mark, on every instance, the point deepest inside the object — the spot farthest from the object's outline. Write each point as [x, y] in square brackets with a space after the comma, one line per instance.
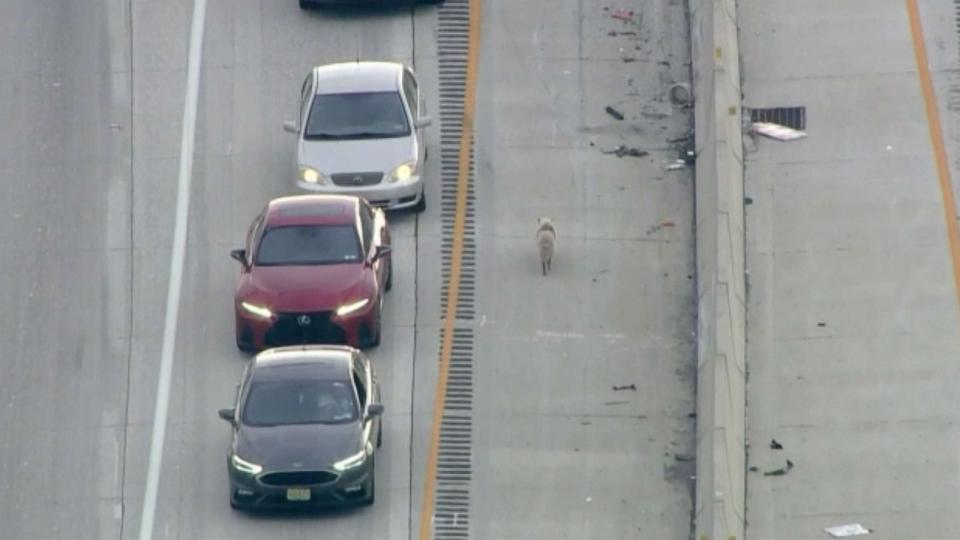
[255, 56]
[65, 229]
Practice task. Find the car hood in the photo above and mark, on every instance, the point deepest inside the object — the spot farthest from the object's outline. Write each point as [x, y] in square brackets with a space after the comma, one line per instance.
[357, 155]
[320, 287]
[306, 446]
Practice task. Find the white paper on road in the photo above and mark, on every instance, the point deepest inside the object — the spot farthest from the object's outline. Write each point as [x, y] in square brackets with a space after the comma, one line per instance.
[851, 529]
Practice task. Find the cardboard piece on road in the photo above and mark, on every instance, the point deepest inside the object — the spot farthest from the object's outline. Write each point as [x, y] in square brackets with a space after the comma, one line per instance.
[850, 529]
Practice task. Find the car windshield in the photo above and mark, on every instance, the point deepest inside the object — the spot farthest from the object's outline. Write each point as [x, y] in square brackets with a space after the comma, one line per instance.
[300, 401]
[309, 244]
[365, 115]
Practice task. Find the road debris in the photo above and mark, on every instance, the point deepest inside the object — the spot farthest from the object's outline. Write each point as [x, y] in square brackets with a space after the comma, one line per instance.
[747, 200]
[683, 457]
[655, 228]
[775, 445]
[622, 150]
[623, 15]
[614, 113]
[850, 529]
[753, 468]
[680, 95]
[776, 131]
[616, 403]
[676, 165]
[630, 386]
[781, 471]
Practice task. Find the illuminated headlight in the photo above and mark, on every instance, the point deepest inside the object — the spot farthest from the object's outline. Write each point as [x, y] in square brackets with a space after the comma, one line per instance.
[404, 171]
[347, 309]
[351, 462]
[243, 465]
[259, 311]
[312, 176]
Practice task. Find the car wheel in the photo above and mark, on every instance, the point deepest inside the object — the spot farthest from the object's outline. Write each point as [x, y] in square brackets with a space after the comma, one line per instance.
[243, 345]
[380, 435]
[305, 4]
[372, 496]
[422, 205]
[389, 284]
[233, 505]
[375, 332]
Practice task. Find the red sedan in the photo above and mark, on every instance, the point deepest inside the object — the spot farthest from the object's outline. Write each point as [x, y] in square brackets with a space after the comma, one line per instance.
[314, 270]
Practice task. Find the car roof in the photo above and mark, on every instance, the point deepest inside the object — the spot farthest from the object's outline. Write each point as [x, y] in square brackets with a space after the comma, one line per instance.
[312, 210]
[357, 77]
[304, 361]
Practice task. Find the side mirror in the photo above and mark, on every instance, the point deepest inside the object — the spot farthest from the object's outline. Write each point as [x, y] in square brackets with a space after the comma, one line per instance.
[423, 121]
[375, 409]
[228, 415]
[381, 252]
[240, 255]
[290, 127]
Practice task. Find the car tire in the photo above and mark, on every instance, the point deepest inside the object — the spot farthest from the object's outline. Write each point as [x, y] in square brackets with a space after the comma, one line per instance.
[305, 4]
[380, 435]
[389, 284]
[234, 506]
[374, 339]
[422, 205]
[373, 488]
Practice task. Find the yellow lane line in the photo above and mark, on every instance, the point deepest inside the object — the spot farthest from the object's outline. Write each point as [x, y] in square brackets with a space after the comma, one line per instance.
[456, 263]
[936, 138]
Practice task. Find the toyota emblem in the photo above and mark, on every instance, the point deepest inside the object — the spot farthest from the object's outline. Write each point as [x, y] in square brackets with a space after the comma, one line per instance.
[358, 179]
[303, 320]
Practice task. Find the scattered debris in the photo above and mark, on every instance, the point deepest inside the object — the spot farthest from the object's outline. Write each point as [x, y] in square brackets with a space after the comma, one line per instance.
[628, 33]
[628, 59]
[622, 150]
[616, 403]
[850, 529]
[630, 386]
[775, 445]
[676, 165]
[753, 468]
[656, 110]
[692, 415]
[585, 423]
[614, 113]
[821, 324]
[683, 457]
[623, 15]
[642, 417]
[747, 200]
[776, 131]
[612, 33]
[659, 226]
[679, 139]
[781, 471]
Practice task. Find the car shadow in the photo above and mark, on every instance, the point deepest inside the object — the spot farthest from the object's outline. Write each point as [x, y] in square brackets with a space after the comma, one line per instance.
[369, 10]
[305, 513]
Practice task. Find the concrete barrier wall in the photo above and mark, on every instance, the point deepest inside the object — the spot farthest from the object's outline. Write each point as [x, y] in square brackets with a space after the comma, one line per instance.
[721, 337]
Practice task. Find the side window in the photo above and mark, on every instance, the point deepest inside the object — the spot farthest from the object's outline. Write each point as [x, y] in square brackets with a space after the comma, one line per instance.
[410, 91]
[359, 381]
[366, 223]
[305, 92]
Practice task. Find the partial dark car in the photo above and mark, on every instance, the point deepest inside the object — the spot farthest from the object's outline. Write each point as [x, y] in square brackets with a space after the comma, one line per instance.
[314, 270]
[306, 425]
[307, 4]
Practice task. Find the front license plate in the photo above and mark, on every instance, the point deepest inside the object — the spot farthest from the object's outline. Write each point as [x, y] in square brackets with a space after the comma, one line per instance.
[298, 494]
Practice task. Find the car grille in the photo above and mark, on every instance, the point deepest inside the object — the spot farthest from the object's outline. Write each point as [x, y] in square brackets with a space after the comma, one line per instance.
[357, 179]
[289, 330]
[298, 478]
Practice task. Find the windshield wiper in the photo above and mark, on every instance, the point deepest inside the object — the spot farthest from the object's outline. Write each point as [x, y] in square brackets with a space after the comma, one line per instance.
[322, 135]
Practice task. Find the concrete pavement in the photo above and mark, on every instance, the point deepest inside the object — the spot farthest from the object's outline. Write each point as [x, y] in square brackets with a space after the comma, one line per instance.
[852, 311]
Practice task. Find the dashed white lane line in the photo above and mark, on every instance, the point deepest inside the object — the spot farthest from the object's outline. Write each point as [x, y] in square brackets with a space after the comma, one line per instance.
[176, 270]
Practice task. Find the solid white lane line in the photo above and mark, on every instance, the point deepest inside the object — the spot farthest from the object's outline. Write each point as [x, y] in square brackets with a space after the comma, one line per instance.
[176, 271]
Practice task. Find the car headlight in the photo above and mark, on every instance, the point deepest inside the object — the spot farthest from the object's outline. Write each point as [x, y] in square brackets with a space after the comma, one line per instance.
[404, 171]
[259, 311]
[351, 462]
[347, 309]
[312, 176]
[243, 465]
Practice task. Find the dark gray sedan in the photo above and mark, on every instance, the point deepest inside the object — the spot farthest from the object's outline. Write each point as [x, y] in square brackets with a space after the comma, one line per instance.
[306, 424]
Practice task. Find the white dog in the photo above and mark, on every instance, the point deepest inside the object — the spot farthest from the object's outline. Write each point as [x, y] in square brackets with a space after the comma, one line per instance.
[546, 242]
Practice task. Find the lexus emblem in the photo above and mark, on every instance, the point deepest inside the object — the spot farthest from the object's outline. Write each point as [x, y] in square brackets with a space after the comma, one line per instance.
[303, 320]
[358, 179]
